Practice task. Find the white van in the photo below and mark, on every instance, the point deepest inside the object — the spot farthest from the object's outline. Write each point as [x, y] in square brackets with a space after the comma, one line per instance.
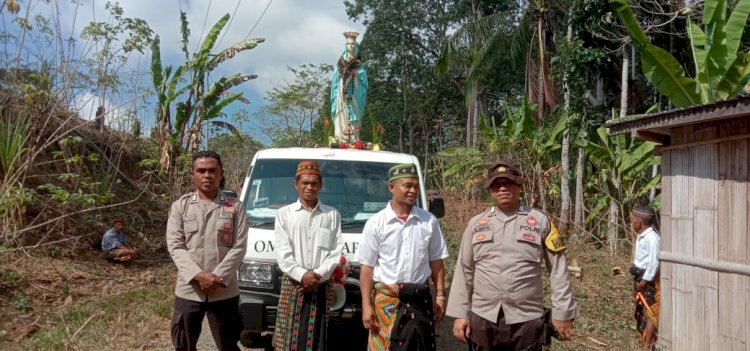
[354, 182]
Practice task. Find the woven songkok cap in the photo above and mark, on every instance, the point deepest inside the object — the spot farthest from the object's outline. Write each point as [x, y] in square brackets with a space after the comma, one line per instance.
[308, 167]
[404, 170]
[644, 213]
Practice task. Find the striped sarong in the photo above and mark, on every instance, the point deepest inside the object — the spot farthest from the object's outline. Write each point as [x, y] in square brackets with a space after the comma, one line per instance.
[404, 314]
[302, 318]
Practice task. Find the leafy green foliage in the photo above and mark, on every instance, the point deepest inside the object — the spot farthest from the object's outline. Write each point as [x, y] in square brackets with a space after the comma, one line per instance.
[621, 165]
[203, 102]
[13, 132]
[718, 66]
[113, 41]
[295, 112]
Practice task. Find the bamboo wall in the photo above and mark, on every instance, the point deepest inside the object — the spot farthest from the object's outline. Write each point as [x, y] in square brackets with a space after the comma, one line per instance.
[704, 215]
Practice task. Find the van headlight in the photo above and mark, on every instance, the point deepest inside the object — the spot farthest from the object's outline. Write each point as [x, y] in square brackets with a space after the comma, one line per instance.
[256, 274]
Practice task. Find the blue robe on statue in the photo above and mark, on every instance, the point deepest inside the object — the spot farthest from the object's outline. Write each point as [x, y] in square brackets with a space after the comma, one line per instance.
[348, 94]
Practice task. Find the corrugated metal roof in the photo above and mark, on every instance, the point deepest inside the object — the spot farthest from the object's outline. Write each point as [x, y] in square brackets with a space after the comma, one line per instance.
[729, 108]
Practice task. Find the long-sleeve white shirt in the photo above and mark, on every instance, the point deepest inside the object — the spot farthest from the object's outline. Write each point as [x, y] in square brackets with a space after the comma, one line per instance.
[647, 247]
[308, 240]
[400, 251]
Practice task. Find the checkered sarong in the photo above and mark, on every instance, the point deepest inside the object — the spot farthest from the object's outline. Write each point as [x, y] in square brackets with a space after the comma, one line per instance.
[302, 318]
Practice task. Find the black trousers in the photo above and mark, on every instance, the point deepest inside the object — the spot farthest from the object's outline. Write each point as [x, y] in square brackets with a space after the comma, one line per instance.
[223, 318]
[489, 336]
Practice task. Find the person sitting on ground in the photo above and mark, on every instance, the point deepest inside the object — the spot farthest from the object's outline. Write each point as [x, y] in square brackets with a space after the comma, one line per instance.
[115, 245]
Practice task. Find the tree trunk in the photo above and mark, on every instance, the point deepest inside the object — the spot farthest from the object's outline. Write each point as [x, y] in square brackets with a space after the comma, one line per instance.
[542, 89]
[612, 226]
[565, 162]
[401, 138]
[540, 184]
[624, 84]
[411, 135]
[578, 215]
[652, 192]
[472, 116]
[613, 210]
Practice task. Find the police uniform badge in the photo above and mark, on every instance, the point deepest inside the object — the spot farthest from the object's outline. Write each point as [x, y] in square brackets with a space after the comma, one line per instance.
[227, 209]
[226, 234]
[554, 241]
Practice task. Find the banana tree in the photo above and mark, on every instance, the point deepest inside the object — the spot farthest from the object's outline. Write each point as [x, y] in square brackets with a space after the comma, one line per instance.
[542, 142]
[621, 170]
[202, 102]
[719, 69]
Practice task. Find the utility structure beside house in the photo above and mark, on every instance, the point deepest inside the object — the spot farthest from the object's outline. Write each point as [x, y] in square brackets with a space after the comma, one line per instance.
[705, 257]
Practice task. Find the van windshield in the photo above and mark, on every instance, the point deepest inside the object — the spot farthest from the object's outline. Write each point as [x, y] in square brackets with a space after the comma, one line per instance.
[356, 189]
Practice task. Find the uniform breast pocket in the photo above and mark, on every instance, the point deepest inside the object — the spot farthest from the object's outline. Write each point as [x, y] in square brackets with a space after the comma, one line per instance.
[324, 238]
[481, 243]
[529, 246]
[189, 224]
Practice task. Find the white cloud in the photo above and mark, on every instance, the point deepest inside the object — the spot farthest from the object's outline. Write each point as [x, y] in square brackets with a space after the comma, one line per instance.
[296, 32]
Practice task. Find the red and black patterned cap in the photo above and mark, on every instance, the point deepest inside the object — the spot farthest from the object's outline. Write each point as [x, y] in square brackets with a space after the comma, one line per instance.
[308, 167]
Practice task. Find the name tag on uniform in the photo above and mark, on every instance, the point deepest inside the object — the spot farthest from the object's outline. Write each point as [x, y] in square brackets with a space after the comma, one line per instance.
[482, 237]
[227, 210]
[529, 237]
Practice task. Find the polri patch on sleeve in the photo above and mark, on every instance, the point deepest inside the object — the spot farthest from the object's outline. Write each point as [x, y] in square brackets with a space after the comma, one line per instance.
[554, 242]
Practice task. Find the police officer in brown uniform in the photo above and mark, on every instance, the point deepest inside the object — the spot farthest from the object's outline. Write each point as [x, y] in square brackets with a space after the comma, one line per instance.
[206, 236]
[496, 295]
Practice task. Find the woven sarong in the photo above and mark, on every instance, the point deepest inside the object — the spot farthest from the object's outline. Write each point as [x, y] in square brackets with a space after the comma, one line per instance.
[404, 314]
[647, 307]
[302, 318]
[122, 254]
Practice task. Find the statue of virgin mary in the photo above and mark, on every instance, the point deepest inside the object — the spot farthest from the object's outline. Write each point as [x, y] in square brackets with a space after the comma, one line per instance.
[348, 91]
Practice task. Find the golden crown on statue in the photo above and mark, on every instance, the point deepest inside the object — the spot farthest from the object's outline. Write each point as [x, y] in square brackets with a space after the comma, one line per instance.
[351, 35]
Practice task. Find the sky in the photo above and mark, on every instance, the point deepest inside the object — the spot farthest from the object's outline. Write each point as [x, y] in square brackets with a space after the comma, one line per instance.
[296, 32]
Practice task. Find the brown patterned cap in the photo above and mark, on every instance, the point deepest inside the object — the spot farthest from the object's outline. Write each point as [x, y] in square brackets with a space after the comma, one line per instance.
[308, 167]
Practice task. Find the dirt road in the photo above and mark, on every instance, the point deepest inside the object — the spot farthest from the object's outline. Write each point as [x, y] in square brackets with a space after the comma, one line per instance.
[445, 340]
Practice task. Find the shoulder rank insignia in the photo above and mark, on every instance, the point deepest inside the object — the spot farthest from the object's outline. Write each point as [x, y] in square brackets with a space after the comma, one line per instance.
[554, 242]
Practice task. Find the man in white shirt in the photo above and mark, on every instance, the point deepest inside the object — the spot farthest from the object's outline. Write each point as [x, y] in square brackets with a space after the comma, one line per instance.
[308, 249]
[645, 271]
[402, 247]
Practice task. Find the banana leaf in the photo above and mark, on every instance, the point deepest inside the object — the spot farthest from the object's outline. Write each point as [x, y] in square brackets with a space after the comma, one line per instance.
[698, 45]
[736, 26]
[728, 85]
[229, 52]
[208, 44]
[215, 111]
[667, 75]
[714, 19]
[231, 128]
[659, 66]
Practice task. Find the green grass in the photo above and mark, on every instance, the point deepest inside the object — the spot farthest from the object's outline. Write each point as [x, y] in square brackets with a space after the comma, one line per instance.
[93, 325]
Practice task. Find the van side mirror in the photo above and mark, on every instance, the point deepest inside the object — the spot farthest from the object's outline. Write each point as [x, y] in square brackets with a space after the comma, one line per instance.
[437, 206]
